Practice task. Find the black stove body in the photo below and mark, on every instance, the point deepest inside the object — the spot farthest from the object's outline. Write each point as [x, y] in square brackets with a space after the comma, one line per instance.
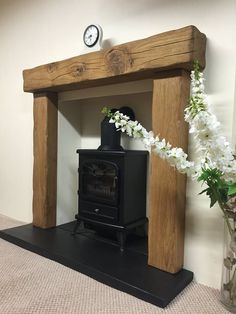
[112, 185]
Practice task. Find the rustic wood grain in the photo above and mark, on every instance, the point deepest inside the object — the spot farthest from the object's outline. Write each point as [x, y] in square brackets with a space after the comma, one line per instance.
[167, 186]
[131, 61]
[45, 160]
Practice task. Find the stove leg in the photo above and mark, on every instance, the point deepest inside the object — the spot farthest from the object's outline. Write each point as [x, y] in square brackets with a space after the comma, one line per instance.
[78, 222]
[121, 236]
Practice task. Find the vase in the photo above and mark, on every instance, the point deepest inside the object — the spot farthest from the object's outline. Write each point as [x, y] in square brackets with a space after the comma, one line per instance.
[228, 278]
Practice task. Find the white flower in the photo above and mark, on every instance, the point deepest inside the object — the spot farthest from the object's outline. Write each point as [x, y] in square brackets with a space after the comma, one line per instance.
[117, 125]
[123, 122]
[112, 120]
[129, 130]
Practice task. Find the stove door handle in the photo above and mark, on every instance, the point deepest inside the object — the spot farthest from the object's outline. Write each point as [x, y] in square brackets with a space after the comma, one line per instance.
[115, 179]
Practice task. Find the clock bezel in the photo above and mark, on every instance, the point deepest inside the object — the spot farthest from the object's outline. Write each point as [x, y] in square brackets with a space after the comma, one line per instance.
[98, 35]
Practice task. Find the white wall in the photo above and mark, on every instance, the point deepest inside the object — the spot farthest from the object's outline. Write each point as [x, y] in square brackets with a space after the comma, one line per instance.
[35, 32]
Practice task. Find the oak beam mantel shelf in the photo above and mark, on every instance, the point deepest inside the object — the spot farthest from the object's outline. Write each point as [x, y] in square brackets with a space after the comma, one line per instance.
[166, 59]
[131, 61]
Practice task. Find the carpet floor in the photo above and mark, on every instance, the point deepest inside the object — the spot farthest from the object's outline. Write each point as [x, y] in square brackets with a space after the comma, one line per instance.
[30, 284]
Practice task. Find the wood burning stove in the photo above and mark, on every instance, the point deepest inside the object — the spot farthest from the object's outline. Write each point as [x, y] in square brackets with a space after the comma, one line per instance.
[112, 185]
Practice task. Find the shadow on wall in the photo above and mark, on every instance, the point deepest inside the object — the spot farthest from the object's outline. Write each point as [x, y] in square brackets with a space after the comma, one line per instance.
[108, 43]
[71, 112]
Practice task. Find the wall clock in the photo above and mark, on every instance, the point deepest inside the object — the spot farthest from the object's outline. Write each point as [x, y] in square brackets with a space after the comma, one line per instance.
[93, 36]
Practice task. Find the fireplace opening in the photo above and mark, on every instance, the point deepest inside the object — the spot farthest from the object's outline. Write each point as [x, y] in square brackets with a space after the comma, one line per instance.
[112, 185]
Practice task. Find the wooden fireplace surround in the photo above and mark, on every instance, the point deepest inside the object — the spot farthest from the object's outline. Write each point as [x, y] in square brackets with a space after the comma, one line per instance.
[165, 58]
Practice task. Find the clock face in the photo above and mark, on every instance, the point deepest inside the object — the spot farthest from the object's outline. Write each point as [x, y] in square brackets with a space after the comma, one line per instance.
[91, 35]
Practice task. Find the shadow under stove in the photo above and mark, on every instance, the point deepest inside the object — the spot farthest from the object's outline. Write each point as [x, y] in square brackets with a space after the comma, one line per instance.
[100, 258]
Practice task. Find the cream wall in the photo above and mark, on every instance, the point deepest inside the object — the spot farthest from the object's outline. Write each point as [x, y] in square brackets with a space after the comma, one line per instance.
[35, 32]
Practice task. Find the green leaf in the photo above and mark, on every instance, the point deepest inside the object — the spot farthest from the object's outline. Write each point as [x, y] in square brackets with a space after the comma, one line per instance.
[107, 112]
[213, 200]
[203, 191]
[232, 189]
[223, 193]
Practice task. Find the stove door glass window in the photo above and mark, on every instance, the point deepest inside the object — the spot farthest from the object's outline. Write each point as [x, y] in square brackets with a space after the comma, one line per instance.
[100, 181]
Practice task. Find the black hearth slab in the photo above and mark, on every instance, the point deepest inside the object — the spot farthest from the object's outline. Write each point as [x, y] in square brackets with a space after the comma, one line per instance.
[127, 271]
[134, 242]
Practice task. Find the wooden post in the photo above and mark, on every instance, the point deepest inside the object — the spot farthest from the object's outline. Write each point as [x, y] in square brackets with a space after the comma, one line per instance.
[45, 160]
[167, 186]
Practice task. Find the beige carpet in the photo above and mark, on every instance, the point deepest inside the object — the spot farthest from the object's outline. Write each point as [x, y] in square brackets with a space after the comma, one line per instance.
[32, 284]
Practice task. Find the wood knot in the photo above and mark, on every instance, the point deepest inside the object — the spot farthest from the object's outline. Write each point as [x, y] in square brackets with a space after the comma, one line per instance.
[52, 67]
[118, 61]
[79, 69]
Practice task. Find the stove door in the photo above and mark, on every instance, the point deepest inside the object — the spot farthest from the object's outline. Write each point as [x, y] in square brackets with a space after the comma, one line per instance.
[99, 181]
